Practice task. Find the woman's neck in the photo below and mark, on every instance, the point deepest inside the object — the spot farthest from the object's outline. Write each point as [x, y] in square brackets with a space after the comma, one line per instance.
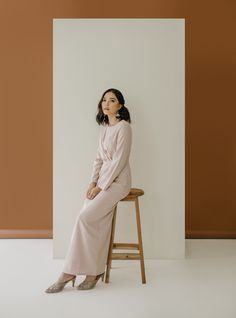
[113, 121]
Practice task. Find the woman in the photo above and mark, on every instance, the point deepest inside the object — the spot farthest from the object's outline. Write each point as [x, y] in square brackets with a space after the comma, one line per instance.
[110, 182]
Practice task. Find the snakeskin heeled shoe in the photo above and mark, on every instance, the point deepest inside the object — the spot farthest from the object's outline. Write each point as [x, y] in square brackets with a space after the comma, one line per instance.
[57, 287]
[90, 284]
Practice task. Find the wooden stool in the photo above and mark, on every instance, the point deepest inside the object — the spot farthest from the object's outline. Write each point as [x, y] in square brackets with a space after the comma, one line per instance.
[132, 196]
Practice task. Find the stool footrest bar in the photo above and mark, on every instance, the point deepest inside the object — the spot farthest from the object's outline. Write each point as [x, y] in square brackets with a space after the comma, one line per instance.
[129, 256]
[124, 246]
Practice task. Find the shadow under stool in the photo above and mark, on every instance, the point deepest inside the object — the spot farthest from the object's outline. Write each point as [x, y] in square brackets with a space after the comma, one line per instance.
[132, 196]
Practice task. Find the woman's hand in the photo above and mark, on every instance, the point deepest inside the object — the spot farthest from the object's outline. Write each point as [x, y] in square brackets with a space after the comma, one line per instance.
[91, 186]
[92, 191]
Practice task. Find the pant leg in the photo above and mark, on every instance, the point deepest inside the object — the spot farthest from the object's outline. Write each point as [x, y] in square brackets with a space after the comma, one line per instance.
[89, 243]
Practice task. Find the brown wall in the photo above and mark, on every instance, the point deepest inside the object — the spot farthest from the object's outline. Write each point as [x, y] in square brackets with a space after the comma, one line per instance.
[26, 109]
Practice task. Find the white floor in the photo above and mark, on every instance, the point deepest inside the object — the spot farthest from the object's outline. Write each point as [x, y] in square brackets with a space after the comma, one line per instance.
[202, 286]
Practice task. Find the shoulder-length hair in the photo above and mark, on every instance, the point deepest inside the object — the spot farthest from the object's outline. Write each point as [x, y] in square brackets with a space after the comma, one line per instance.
[123, 112]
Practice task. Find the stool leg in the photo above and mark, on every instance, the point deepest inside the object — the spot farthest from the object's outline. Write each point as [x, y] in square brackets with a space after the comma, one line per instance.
[109, 257]
[140, 241]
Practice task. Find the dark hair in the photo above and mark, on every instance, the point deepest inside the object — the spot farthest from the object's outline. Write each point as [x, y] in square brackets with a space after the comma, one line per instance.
[123, 112]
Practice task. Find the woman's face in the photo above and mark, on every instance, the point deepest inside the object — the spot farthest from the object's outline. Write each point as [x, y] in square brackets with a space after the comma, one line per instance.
[110, 104]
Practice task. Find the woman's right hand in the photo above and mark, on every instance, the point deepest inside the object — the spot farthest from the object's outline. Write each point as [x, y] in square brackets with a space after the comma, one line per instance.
[91, 186]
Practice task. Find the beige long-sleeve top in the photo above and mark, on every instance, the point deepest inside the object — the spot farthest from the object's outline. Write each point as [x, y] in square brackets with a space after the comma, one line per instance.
[112, 159]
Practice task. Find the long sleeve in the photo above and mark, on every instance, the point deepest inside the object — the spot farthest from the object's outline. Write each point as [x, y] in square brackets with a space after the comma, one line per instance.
[97, 164]
[120, 157]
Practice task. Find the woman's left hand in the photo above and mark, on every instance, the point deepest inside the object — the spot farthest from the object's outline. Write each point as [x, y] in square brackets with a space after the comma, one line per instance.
[94, 192]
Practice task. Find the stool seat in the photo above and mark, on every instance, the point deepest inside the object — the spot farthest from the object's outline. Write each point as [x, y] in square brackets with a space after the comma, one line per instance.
[134, 193]
[132, 196]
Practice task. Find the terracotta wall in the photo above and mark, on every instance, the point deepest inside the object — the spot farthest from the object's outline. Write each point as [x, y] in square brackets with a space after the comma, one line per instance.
[26, 109]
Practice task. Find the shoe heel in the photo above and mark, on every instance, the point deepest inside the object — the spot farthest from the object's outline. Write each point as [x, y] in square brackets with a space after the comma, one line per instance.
[73, 281]
[100, 276]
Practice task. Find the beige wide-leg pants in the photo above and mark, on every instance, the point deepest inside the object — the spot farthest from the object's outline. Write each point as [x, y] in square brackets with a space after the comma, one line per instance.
[89, 243]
